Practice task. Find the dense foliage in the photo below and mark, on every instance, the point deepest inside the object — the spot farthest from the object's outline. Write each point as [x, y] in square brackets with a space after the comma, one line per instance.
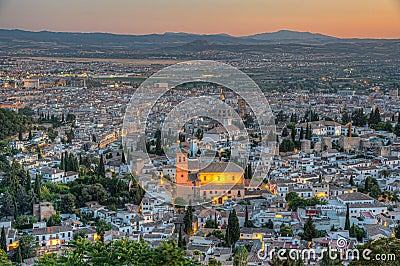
[118, 252]
[12, 123]
[294, 201]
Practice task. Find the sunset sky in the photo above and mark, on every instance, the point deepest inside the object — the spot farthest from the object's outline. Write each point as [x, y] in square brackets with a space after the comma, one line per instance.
[341, 18]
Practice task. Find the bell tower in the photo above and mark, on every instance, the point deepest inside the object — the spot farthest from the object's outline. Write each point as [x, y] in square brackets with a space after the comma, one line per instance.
[182, 165]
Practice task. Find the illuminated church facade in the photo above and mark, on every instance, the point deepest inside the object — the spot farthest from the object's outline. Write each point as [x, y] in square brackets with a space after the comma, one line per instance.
[212, 181]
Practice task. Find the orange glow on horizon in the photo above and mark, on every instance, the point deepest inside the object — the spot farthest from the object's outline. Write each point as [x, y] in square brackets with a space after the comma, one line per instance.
[340, 18]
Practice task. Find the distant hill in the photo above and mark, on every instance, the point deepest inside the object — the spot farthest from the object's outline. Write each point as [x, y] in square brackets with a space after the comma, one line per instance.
[288, 35]
[178, 45]
[157, 40]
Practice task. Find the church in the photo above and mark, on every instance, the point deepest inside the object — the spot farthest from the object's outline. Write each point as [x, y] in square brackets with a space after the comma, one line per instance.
[207, 181]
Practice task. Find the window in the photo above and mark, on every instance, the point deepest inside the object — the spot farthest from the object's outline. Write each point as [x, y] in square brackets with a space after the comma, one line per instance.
[219, 178]
[205, 178]
[233, 178]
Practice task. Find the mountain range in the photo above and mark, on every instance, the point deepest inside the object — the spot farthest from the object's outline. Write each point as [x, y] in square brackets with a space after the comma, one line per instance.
[76, 44]
[166, 39]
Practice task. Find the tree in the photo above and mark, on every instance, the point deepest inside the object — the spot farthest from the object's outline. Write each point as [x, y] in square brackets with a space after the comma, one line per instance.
[287, 145]
[328, 261]
[67, 203]
[123, 160]
[270, 224]
[37, 187]
[249, 171]
[347, 222]
[188, 220]
[54, 220]
[285, 132]
[101, 171]
[247, 222]
[214, 262]
[3, 240]
[397, 231]
[301, 133]
[233, 228]
[309, 132]
[379, 246]
[246, 217]
[346, 118]
[20, 134]
[27, 246]
[357, 232]
[180, 244]
[293, 134]
[159, 150]
[217, 233]
[396, 129]
[210, 223]
[7, 206]
[309, 230]
[3, 258]
[375, 117]
[101, 228]
[358, 118]
[28, 185]
[285, 230]
[371, 186]
[351, 182]
[240, 257]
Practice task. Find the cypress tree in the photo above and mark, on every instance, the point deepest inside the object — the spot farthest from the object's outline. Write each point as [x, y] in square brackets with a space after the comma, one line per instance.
[301, 133]
[309, 132]
[347, 223]
[20, 134]
[3, 240]
[309, 230]
[62, 164]
[123, 158]
[19, 255]
[397, 127]
[352, 180]
[66, 166]
[233, 228]
[228, 237]
[101, 168]
[37, 187]
[180, 237]
[28, 182]
[216, 220]
[293, 134]
[188, 220]
[249, 172]
[246, 217]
